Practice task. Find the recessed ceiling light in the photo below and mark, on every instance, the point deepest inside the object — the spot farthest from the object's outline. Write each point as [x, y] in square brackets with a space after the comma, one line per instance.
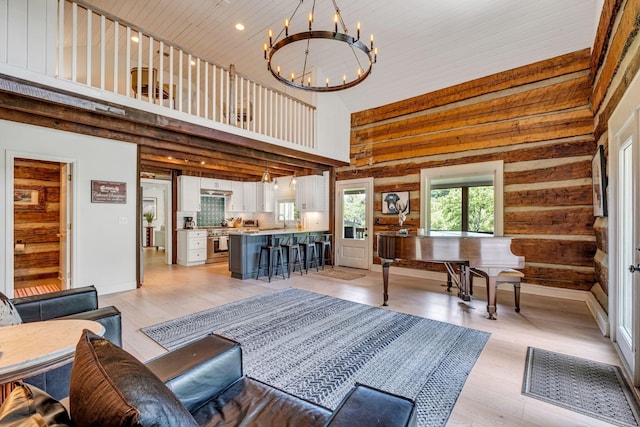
[239, 26]
[170, 158]
[193, 62]
[202, 162]
[135, 39]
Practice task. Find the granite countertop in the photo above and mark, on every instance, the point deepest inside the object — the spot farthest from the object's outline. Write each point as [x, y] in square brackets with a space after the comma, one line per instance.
[272, 231]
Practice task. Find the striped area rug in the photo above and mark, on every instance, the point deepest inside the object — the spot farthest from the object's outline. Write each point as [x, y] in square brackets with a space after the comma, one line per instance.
[317, 347]
[35, 290]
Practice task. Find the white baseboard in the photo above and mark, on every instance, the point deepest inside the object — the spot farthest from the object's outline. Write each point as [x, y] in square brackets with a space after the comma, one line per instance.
[598, 313]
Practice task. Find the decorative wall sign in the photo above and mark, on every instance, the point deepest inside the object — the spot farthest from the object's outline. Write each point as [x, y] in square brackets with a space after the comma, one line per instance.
[395, 202]
[28, 197]
[599, 177]
[108, 192]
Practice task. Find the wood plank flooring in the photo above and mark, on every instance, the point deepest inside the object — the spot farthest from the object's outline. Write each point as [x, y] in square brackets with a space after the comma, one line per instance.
[492, 393]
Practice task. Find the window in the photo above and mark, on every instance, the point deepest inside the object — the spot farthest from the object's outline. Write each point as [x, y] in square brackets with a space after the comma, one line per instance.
[463, 198]
[288, 209]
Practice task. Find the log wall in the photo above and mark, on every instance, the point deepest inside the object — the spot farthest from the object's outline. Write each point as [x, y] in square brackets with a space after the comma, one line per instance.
[38, 226]
[615, 61]
[537, 119]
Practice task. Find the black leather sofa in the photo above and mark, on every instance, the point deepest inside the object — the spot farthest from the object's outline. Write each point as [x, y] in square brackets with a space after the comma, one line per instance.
[79, 303]
[202, 384]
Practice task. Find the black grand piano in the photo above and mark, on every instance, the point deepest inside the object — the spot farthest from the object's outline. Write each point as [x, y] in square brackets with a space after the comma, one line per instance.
[471, 252]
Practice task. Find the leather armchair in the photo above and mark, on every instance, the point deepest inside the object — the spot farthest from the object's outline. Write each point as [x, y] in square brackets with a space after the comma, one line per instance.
[79, 303]
[202, 384]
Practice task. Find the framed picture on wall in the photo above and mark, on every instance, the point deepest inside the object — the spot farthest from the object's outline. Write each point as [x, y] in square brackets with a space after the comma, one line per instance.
[395, 202]
[150, 207]
[27, 197]
[599, 177]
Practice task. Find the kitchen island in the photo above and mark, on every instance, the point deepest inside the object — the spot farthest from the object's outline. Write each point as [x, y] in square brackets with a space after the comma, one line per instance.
[244, 247]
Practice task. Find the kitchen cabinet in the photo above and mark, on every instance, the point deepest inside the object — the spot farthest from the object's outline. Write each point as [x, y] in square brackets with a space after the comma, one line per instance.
[243, 198]
[311, 193]
[188, 193]
[264, 197]
[215, 184]
[192, 247]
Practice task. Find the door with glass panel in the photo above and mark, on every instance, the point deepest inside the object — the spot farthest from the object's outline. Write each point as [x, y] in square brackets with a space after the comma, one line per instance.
[624, 230]
[354, 209]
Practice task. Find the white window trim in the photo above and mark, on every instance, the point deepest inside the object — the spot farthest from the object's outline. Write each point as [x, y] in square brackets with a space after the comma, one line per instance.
[495, 168]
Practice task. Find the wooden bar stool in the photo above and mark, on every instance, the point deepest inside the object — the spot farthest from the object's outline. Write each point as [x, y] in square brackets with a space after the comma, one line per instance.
[310, 254]
[324, 245]
[294, 257]
[273, 255]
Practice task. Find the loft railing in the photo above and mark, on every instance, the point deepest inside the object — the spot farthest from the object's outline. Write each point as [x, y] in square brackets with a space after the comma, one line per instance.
[100, 51]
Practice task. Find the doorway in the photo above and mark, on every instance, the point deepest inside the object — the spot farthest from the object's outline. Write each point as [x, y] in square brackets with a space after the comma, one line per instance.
[41, 207]
[624, 224]
[354, 212]
[156, 225]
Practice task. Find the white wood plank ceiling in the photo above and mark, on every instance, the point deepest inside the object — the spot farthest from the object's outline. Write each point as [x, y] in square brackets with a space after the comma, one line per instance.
[424, 45]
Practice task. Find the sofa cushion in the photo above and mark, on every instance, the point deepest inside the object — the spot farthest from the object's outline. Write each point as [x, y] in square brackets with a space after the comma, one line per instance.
[249, 402]
[28, 406]
[109, 387]
[8, 313]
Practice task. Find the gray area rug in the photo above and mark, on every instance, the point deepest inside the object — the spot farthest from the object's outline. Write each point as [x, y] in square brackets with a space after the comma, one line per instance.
[317, 347]
[592, 388]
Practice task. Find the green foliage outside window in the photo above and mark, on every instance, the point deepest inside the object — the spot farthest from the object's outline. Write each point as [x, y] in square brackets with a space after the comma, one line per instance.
[446, 209]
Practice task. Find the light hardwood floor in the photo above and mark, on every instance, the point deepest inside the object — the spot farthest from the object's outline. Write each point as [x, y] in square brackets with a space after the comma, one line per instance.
[492, 394]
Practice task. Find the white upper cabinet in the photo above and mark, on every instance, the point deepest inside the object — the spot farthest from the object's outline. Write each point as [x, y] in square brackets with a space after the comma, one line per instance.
[311, 193]
[243, 198]
[235, 202]
[264, 197]
[249, 196]
[188, 193]
[215, 184]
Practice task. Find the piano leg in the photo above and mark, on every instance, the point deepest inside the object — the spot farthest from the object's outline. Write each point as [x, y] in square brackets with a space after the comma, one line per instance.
[385, 280]
[492, 297]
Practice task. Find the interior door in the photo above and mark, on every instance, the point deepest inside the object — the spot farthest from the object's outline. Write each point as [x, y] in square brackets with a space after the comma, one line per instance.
[354, 211]
[624, 233]
[65, 227]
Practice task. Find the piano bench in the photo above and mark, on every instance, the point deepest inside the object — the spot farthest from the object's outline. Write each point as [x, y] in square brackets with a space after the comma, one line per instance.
[513, 277]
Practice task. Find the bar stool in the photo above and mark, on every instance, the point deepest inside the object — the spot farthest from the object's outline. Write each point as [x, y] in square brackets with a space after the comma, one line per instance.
[271, 250]
[292, 249]
[309, 251]
[324, 244]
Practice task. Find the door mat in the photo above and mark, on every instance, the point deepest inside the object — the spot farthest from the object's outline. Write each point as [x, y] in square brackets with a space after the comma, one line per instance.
[596, 389]
[340, 273]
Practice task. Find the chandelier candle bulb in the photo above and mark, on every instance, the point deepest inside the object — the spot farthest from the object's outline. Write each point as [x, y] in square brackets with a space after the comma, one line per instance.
[358, 31]
[327, 82]
[371, 41]
[286, 27]
[265, 51]
[270, 38]
[310, 20]
[335, 23]
[344, 79]
[293, 76]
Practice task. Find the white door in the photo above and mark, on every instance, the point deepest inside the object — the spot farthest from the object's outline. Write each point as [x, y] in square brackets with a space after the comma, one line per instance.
[624, 233]
[354, 212]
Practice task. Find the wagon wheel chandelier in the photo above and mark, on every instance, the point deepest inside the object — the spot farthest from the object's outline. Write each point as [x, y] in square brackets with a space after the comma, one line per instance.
[311, 39]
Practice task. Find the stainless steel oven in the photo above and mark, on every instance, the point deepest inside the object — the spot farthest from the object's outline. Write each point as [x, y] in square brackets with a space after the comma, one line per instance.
[217, 246]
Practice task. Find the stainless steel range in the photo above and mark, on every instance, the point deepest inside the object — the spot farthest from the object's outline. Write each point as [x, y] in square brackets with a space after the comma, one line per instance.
[217, 245]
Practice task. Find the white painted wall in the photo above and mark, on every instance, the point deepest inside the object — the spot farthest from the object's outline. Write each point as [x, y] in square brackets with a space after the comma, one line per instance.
[28, 34]
[103, 248]
[333, 127]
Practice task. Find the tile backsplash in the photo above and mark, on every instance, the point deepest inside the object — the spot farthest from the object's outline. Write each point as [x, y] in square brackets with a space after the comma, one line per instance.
[211, 211]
